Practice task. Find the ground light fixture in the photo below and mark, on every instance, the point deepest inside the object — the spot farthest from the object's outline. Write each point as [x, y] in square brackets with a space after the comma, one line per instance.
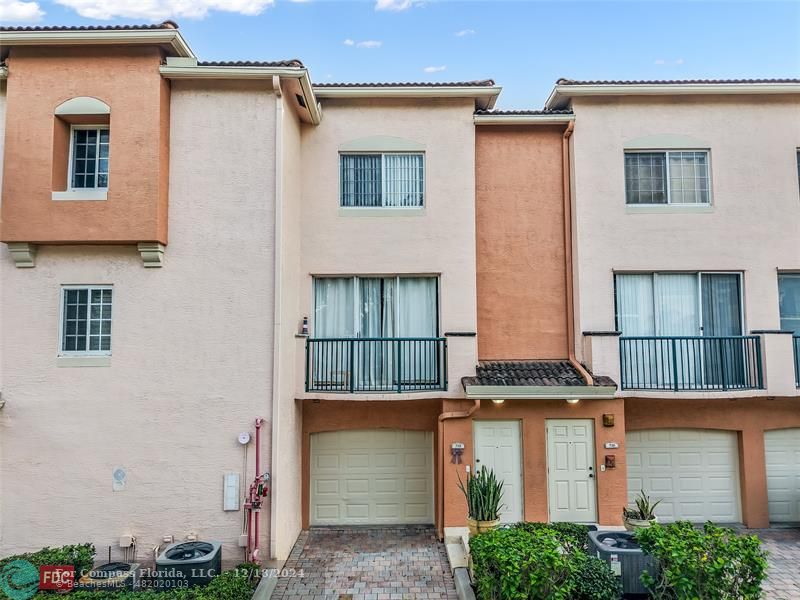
[573, 400]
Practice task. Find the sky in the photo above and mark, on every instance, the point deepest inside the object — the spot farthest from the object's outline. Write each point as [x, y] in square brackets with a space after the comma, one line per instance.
[525, 46]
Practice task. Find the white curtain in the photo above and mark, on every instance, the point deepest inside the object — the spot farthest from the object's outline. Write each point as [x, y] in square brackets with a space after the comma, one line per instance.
[333, 307]
[678, 314]
[360, 179]
[403, 180]
[375, 359]
[417, 319]
[635, 305]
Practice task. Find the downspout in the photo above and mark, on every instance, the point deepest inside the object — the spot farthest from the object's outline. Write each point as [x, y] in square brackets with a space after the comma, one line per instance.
[567, 193]
[456, 414]
[277, 314]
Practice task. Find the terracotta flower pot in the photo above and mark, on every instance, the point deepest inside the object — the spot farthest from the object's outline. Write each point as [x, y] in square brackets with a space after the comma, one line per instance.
[476, 527]
[634, 524]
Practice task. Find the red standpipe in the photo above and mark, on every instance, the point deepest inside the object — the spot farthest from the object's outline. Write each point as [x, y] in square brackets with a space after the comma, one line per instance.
[259, 422]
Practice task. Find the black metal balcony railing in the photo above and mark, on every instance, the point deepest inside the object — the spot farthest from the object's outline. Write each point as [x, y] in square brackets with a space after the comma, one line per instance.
[796, 340]
[376, 364]
[691, 363]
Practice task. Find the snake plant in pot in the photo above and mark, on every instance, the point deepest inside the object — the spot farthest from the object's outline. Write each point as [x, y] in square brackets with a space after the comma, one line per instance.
[643, 515]
[484, 493]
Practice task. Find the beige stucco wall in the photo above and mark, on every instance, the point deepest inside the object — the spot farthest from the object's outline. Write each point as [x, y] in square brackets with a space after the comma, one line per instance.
[754, 223]
[192, 353]
[439, 240]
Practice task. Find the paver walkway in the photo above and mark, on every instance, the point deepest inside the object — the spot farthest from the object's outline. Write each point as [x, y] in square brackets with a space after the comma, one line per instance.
[375, 563]
[783, 578]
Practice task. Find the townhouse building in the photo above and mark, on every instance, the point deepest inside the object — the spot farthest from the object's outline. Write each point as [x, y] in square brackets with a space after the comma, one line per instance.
[217, 270]
[687, 223]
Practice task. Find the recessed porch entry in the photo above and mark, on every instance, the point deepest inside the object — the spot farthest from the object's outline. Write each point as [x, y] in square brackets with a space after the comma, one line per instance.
[572, 493]
[371, 477]
[498, 446]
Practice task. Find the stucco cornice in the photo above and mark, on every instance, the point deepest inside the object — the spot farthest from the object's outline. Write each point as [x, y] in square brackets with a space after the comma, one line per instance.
[169, 37]
[522, 119]
[561, 95]
[485, 96]
[235, 72]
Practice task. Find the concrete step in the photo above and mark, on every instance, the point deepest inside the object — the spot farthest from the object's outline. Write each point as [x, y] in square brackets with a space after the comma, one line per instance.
[456, 556]
[452, 535]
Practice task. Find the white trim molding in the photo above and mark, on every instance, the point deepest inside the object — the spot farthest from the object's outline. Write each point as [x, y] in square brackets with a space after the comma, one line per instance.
[84, 361]
[562, 94]
[501, 119]
[83, 105]
[23, 254]
[485, 96]
[666, 141]
[82, 194]
[167, 37]
[152, 254]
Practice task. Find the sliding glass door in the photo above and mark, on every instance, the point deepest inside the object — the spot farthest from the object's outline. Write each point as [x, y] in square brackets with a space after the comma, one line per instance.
[668, 310]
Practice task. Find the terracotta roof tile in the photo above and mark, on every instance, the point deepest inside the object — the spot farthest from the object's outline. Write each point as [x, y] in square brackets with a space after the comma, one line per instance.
[564, 81]
[478, 83]
[164, 25]
[250, 63]
[530, 373]
[524, 112]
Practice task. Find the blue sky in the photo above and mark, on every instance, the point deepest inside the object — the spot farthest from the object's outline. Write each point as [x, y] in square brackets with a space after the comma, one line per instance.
[524, 45]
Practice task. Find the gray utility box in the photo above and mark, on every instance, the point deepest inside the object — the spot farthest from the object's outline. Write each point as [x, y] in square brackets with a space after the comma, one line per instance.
[187, 564]
[625, 557]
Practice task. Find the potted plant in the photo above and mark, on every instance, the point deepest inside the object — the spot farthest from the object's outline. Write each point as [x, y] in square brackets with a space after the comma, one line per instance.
[643, 515]
[484, 493]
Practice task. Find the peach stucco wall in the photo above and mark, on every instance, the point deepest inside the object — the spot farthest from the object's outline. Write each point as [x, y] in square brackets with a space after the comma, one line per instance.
[611, 485]
[128, 80]
[752, 226]
[748, 417]
[440, 239]
[192, 354]
[520, 243]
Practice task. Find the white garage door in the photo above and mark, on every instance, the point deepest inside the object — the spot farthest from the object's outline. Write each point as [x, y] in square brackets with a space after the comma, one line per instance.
[783, 474]
[370, 477]
[694, 471]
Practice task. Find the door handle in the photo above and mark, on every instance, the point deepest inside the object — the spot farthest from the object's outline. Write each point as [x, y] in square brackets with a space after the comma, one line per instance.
[591, 475]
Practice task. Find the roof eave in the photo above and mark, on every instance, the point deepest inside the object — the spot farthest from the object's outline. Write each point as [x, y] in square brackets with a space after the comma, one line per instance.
[485, 96]
[538, 392]
[226, 72]
[170, 37]
[522, 119]
[561, 95]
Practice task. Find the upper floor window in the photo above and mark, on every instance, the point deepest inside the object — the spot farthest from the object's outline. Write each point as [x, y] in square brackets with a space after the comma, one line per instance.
[382, 179]
[789, 294]
[89, 157]
[668, 177]
[86, 320]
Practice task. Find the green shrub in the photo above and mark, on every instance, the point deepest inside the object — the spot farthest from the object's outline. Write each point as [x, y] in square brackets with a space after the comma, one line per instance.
[81, 556]
[574, 537]
[594, 580]
[712, 563]
[516, 563]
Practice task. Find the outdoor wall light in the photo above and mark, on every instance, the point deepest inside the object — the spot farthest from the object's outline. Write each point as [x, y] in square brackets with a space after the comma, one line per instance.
[573, 400]
[498, 401]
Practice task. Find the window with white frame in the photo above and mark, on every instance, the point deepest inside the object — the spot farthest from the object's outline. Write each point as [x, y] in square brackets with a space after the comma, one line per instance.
[667, 177]
[382, 179]
[86, 320]
[789, 301]
[88, 164]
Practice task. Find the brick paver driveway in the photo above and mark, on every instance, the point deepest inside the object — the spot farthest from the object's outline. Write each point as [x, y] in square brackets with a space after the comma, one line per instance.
[376, 563]
[783, 545]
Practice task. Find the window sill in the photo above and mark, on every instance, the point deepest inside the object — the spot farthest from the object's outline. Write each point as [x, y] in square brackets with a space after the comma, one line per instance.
[657, 209]
[387, 211]
[88, 194]
[84, 361]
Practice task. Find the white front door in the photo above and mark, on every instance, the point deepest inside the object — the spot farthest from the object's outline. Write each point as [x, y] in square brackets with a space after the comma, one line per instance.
[571, 470]
[498, 447]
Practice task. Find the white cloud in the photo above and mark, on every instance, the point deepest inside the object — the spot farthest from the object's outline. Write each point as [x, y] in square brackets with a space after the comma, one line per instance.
[363, 44]
[15, 11]
[660, 61]
[663, 61]
[438, 69]
[157, 10]
[395, 5]
[464, 32]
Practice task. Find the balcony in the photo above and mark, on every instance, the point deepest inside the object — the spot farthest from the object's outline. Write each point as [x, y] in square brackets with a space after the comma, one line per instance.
[691, 363]
[796, 340]
[376, 365]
